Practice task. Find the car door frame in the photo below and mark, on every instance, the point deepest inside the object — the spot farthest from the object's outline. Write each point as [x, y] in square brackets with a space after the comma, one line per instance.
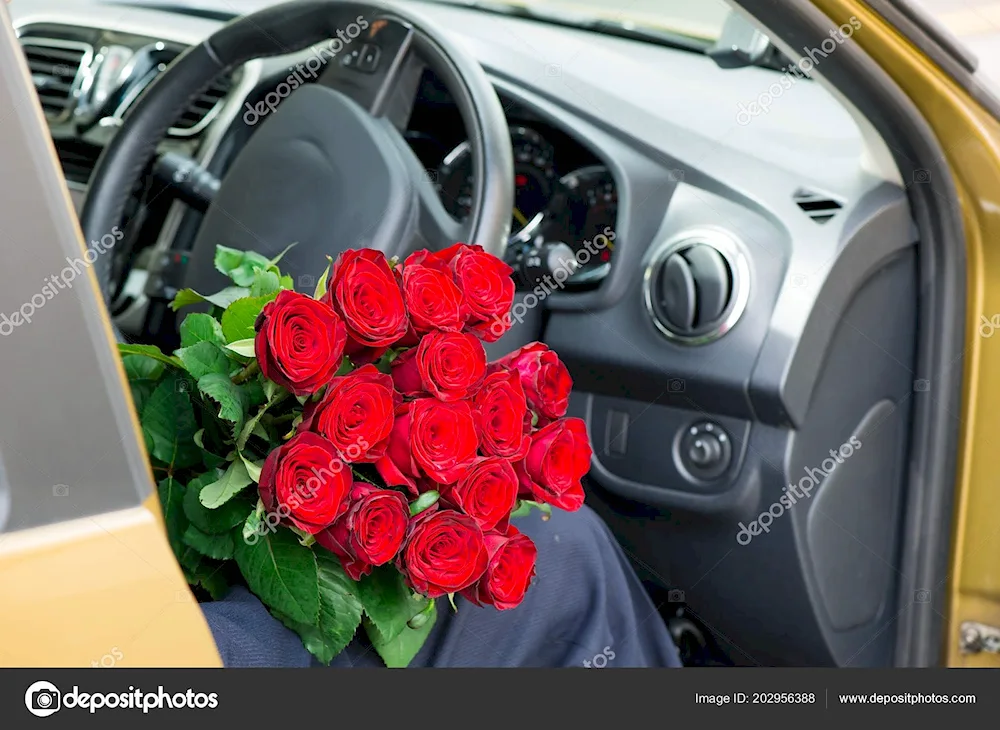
[87, 573]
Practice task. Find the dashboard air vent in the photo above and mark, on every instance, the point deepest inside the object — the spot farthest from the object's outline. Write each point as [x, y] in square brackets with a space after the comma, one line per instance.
[696, 287]
[78, 159]
[57, 67]
[818, 206]
[203, 109]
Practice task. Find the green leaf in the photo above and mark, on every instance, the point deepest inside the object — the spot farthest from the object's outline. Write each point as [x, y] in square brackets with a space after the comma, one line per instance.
[235, 480]
[243, 347]
[287, 282]
[227, 259]
[198, 327]
[283, 574]
[141, 367]
[346, 366]
[424, 616]
[212, 578]
[168, 423]
[339, 612]
[239, 317]
[525, 506]
[277, 259]
[218, 547]
[213, 521]
[321, 284]
[398, 652]
[253, 468]
[265, 283]
[187, 297]
[142, 373]
[239, 265]
[424, 501]
[148, 351]
[171, 494]
[252, 524]
[388, 602]
[230, 397]
[203, 358]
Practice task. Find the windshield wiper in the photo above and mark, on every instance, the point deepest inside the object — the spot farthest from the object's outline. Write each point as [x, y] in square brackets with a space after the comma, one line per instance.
[621, 29]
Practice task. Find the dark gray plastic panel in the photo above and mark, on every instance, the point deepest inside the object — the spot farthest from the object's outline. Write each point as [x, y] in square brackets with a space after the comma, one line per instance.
[846, 527]
[783, 598]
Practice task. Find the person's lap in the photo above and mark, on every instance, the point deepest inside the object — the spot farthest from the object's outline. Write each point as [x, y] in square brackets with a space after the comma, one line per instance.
[586, 602]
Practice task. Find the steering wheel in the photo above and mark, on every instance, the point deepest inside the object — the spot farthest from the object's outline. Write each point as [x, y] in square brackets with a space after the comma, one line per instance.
[327, 169]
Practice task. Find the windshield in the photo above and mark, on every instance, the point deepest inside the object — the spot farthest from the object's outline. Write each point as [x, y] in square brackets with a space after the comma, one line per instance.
[701, 19]
[697, 19]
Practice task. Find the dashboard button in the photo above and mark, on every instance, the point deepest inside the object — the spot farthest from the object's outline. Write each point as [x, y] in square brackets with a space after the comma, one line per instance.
[369, 58]
[352, 59]
[704, 451]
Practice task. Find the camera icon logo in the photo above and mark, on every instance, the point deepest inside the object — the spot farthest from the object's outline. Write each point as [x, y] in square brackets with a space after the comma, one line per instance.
[921, 176]
[675, 596]
[675, 385]
[43, 699]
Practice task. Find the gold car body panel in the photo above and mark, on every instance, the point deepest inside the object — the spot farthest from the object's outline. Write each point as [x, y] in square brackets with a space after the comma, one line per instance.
[970, 138]
[91, 588]
[101, 591]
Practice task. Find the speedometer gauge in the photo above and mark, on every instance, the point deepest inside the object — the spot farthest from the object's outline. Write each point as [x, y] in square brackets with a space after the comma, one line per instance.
[534, 179]
[587, 221]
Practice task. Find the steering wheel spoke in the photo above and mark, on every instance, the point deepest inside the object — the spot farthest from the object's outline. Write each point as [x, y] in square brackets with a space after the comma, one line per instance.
[379, 70]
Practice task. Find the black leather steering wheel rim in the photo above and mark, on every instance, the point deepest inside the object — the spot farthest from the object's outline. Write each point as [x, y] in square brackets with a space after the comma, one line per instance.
[284, 29]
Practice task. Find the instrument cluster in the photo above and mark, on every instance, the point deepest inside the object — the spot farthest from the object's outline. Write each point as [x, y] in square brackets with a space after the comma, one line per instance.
[576, 209]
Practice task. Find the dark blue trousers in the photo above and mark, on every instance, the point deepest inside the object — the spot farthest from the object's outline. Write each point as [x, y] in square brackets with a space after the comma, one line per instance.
[586, 608]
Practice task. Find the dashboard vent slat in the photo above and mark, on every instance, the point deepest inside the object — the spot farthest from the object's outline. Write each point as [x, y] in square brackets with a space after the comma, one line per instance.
[56, 69]
[203, 109]
[818, 206]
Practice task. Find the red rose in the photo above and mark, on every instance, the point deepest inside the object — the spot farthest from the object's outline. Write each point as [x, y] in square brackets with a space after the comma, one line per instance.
[429, 438]
[558, 458]
[305, 482]
[487, 492]
[371, 532]
[502, 415]
[433, 299]
[546, 381]
[366, 293]
[299, 343]
[356, 414]
[444, 553]
[509, 572]
[485, 282]
[448, 365]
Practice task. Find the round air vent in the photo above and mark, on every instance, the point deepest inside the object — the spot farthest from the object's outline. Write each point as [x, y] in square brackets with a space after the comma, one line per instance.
[697, 286]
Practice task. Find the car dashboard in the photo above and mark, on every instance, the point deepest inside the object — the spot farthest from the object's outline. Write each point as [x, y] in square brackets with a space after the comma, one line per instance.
[705, 329]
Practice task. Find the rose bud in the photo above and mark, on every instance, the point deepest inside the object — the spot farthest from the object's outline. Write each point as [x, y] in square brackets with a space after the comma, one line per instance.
[502, 416]
[448, 365]
[558, 458]
[305, 482]
[371, 532]
[444, 553]
[356, 414]
[487, 492]
[367, 295]
[299, 343]
[429, 438]
[433, 299]
[544, 377]
[509, 571]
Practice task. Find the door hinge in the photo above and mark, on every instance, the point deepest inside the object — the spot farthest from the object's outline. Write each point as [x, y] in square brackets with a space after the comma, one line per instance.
[976, 638]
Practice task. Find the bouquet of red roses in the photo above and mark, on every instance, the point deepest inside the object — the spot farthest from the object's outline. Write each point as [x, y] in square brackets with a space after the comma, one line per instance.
[387, 455]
